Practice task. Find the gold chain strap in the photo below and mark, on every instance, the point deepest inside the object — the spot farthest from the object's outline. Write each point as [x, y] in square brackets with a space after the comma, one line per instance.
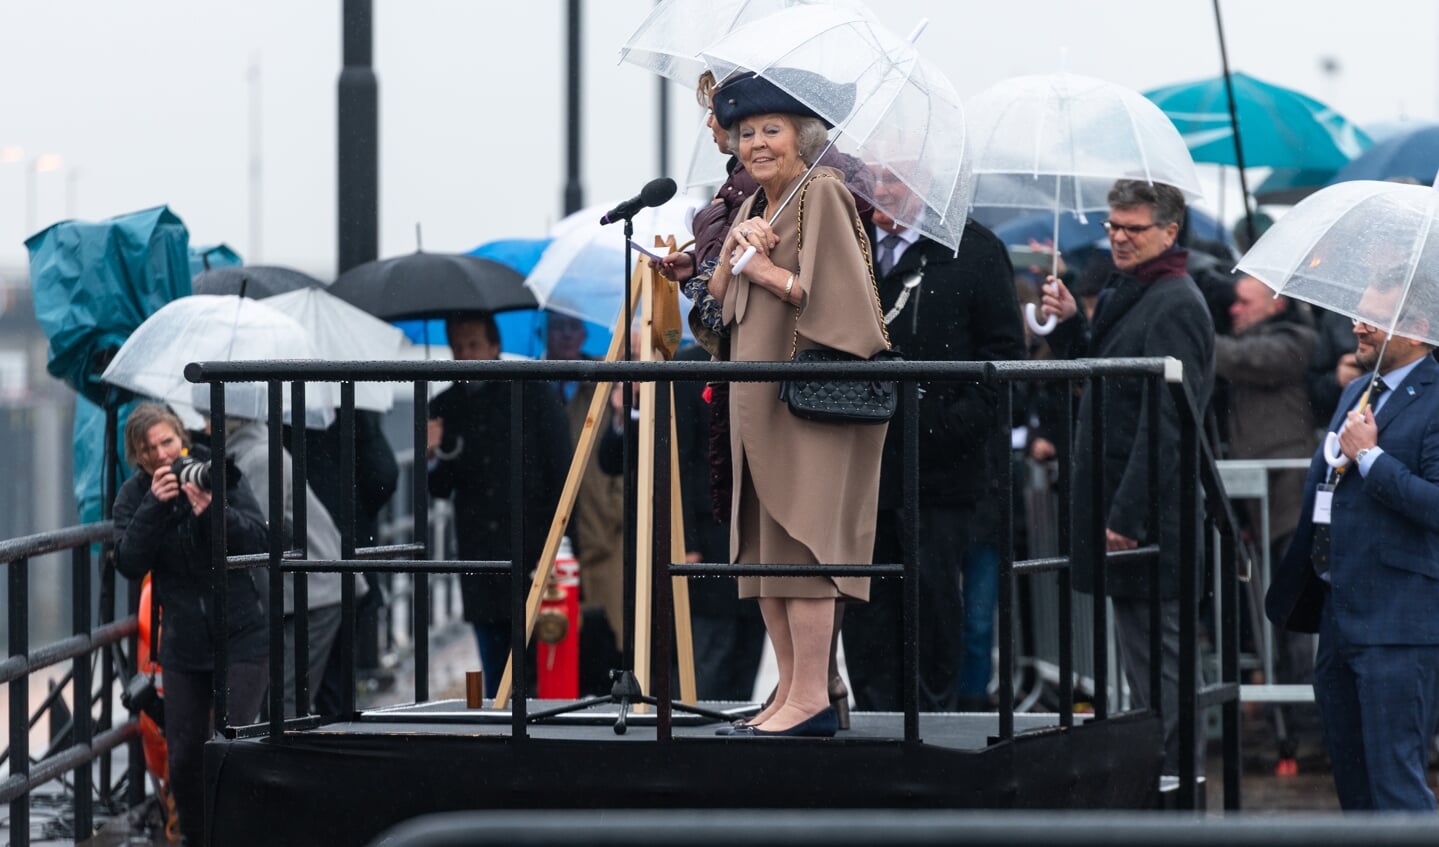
[863, 241]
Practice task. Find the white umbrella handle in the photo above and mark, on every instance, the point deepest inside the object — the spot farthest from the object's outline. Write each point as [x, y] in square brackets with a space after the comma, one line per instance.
[1332, 456]
[743, 260]
[1034, 325]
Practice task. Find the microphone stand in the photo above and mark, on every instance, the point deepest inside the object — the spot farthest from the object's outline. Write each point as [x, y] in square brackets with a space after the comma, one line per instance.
[626, 689]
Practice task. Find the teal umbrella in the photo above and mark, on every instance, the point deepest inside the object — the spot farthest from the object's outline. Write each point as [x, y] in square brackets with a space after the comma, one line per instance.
[1279, 127]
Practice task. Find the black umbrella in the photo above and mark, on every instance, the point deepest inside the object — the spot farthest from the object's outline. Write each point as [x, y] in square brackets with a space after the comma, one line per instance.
[255, 281]
[433, 285]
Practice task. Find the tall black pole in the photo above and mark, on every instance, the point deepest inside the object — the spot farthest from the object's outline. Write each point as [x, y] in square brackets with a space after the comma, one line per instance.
[1234, 124]
[574, 194]
[358, 212]
[664, 126]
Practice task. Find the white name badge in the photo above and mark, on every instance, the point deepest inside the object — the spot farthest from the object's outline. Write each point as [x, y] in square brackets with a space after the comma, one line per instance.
[1323, 501]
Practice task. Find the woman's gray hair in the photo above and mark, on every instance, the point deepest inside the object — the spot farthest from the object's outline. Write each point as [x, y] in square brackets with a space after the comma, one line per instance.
[811, 132]
[1166, 203]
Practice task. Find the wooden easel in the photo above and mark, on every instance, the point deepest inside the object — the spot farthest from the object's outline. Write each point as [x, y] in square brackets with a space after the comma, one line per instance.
[661, 341]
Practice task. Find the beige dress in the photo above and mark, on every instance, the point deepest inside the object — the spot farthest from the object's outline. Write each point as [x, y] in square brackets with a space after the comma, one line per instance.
[805, 492]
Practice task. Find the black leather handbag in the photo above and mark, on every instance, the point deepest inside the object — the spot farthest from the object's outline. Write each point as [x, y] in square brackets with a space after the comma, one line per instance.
[840, 400]
[854, 401]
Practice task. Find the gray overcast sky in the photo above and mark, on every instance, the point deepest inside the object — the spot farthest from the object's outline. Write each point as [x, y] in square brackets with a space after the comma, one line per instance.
[147, 101]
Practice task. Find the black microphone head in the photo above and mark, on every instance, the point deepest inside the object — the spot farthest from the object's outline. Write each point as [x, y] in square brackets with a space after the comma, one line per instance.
[657, 192]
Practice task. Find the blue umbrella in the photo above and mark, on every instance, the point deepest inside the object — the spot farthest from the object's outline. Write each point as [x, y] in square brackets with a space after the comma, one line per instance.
[1279, 127]
[1413, 153]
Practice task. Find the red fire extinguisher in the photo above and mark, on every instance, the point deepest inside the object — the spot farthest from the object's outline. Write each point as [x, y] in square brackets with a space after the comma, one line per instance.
[558, 626]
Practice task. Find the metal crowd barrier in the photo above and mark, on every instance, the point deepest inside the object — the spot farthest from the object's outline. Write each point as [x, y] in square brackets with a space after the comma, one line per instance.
[1200, 484]
[88, 741]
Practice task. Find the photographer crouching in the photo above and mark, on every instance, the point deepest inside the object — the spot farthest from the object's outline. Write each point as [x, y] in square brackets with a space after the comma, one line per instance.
[162, 525]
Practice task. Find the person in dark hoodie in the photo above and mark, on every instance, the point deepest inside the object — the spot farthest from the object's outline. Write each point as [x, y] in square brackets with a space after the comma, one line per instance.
[1149, 307]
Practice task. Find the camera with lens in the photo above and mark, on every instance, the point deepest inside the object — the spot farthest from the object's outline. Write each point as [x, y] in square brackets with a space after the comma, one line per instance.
[187, 469]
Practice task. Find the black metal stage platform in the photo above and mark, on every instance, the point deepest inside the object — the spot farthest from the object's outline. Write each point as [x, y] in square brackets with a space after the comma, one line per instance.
[344, 783]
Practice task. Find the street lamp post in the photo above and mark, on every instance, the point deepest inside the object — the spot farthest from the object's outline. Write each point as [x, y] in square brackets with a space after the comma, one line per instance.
[43, 163]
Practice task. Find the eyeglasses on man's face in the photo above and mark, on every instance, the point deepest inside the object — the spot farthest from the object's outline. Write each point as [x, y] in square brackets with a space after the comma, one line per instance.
[1363, 326]
[1131, 229]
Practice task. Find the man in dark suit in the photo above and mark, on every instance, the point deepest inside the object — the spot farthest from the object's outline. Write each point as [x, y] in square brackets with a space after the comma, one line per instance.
[939, 307]
[1363, 569]
[1149, 307]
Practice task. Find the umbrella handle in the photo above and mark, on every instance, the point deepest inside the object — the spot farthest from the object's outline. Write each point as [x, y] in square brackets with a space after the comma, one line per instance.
[1332, 456]
[1034, 325]
[743, 260]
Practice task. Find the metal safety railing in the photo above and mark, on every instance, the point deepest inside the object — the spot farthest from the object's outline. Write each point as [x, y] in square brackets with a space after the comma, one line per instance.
[1204, 507]
[86, 740]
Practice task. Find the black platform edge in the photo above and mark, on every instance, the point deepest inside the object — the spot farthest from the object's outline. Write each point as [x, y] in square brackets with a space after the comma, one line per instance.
[346, 788]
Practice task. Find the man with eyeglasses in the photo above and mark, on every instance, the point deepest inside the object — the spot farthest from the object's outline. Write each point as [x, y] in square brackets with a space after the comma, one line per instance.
[1363, 569]
[1149, 307]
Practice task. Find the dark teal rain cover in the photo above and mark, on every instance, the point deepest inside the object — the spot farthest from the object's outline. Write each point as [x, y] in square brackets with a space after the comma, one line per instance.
[93, 283]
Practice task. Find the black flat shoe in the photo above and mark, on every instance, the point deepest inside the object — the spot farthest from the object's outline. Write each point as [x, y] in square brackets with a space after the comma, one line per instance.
[823, 724]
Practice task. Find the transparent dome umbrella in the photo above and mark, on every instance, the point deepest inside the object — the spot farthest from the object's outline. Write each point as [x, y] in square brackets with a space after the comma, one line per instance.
[1365, 249]
[1060, 141]
[215, 328]
[669, 40]
[582, 271]
[890, 107]
[341, 332]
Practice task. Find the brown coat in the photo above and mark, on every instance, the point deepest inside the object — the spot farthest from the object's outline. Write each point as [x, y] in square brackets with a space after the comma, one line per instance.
[818, 481]
[599, 521]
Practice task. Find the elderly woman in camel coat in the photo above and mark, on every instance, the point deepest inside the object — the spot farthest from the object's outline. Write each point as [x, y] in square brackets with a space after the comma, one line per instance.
[804, 492]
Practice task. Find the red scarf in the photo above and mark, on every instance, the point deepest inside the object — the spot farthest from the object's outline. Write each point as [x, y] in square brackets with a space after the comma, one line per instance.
[1172, 262]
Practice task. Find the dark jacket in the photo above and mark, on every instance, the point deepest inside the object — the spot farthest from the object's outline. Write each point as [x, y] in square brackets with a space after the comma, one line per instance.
[171, 542]
[964, 309]
[376, 472]
[1167, 317]
[477, 425]
[1269, 408]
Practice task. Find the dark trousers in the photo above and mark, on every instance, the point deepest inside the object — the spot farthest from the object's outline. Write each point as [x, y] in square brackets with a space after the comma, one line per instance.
[1131, 630]
[322, 627]
[189, 697]
[872, 633]
[1379, 704]
[728, 650]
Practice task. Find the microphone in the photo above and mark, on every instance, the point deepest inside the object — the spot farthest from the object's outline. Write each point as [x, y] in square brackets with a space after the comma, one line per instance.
[656, 192]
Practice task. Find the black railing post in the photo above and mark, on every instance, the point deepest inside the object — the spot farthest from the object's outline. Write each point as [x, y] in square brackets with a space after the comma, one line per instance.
[519, 568]
[999, 448]
[345, 641]
[300, 582]
[276, 495]
[1066, 548]
[420, 515]
[1188, 602]
[19, 612]
[909, 658]
[1099, 567]
[1154, 388]
[83, 696]
[219, 570]
[662, 633]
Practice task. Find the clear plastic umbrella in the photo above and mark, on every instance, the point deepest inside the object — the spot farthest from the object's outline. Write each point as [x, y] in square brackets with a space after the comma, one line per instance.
[670, 39]
[889, 106]
[212, 327]
[582, 272]
[339, 331]
[1366, 249]
[1059, 142]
